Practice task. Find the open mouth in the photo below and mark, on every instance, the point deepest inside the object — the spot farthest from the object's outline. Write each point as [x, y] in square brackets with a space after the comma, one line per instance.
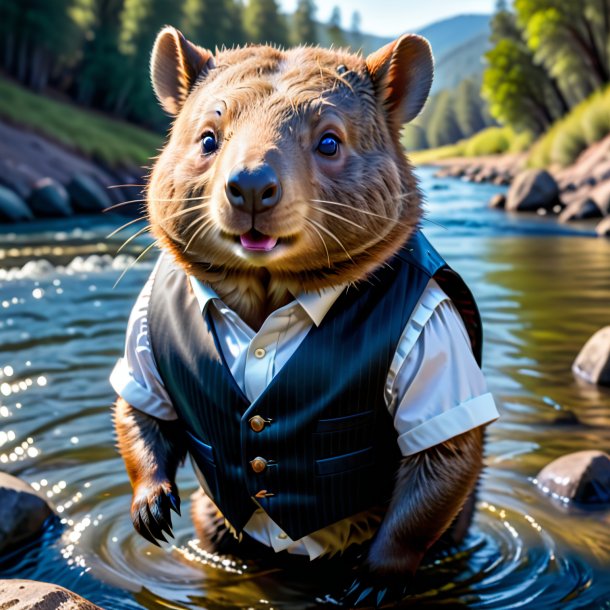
[255, 241]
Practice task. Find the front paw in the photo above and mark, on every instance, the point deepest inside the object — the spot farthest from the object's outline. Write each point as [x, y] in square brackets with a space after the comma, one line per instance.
[375, 591]
[150, 509]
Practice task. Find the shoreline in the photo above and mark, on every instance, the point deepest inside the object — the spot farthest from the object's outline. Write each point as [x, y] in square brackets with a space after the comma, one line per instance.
[578, 192]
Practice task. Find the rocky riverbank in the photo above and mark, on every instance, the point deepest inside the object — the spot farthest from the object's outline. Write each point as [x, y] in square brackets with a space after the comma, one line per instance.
[578, 192]
[41, 179]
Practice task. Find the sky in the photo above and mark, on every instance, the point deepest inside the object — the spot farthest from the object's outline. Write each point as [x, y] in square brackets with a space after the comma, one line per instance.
[392, 17]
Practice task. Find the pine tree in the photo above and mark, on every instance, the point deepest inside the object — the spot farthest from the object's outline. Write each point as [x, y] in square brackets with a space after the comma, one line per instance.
[304, 25]
[264, 24]
[468, 108]
[337, 39]
[443, 127]
[210, 23]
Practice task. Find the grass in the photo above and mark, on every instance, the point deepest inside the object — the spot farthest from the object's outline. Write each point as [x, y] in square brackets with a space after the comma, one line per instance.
[587, 123]
[490, 141]
[94, 135]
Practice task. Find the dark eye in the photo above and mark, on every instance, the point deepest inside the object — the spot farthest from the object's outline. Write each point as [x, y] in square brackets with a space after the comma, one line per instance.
[329, 145]
[208, 143]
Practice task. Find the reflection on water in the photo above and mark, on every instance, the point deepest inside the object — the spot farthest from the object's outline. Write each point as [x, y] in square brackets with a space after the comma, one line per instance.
[541, 295]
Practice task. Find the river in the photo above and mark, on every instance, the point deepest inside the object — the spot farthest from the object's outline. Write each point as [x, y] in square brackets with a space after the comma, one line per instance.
[542, 288]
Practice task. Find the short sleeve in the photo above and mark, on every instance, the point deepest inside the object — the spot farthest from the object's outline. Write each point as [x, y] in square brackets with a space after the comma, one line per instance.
[135, 377]
[437, 389]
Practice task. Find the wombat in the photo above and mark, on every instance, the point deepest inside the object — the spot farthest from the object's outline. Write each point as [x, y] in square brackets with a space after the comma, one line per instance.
[292, 277]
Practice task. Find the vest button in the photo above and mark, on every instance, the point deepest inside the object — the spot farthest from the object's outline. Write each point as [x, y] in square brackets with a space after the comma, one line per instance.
[258, 464]
[257, 423]
[259, 352]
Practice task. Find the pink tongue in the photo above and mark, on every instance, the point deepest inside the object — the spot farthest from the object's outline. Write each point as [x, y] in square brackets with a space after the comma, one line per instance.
[257, 241]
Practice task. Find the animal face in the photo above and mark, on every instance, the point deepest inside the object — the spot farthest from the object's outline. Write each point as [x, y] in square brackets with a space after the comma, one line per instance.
[286, 160]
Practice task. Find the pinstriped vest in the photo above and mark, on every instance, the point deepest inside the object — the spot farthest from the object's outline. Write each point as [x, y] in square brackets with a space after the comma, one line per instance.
[328, 441]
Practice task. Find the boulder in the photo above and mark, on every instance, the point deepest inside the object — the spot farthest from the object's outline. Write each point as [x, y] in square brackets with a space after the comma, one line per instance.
[582, 477]
[593, 362]
[498, 201]
[33, 595]
[580, 210]
[22, 512]
[49, 199]
[12, 207]
[87, 195]
[603, 228]
[601, 196]
[532, 189]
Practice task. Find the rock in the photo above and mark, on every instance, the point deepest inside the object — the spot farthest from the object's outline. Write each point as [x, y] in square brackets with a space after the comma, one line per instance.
[580, 210]
[12, 207]
[603, 228]
[22, 512]
[498, 201]
[601, 196]
[593, 362]
[582, 477]
[33, 595]
[87, 195]
[50, 199]
[532, 189]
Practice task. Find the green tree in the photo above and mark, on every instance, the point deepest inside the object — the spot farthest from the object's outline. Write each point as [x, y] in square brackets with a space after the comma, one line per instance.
[211, 24]
[264, 24]
[101, 57]
[519, 91]
[304, 25]
[39, 37]
[570, 39]
[443, 127]
[140, 22]
[468, 108]
[357, 39]
[335, 32]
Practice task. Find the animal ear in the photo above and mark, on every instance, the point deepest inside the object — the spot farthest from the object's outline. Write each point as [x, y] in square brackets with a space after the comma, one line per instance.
[402, 73]
[175, 65]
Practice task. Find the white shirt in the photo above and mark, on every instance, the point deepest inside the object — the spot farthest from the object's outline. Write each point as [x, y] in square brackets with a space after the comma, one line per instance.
[434, 389]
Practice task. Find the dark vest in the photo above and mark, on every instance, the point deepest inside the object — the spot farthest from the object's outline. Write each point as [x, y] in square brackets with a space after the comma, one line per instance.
[327, 438]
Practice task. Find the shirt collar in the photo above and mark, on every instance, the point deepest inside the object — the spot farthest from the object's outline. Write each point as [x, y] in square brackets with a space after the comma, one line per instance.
[315, 304]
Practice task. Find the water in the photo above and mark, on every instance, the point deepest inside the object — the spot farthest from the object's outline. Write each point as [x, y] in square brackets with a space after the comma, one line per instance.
[543, 290]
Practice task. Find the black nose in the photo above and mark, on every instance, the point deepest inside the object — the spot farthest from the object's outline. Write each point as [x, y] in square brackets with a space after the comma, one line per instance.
[253, 191]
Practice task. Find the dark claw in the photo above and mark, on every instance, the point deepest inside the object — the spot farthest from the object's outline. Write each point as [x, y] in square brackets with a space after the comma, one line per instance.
[153, 526]
[352, 587]
[143, 530]
[160, 513]
[175, 502]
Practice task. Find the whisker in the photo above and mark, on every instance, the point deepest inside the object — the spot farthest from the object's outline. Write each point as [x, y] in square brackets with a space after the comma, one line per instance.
[322, 238]
[127, 224]
[143, 253]
[331, 234]
[186, 211]
[118, 186]
[132, 237]
[197, 232]
[329, 213]
[119, 205]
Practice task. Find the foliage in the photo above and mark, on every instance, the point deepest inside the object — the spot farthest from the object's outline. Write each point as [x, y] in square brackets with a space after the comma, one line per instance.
[570, 39]
[490, 141]
[212, 24]
[587, 123]
[520, 93]
[263, 23]
[448, 117]
[335, 32]
[110, 141]
[304, 25]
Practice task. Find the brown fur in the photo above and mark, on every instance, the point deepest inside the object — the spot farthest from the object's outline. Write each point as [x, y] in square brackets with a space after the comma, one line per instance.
[340, 220]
